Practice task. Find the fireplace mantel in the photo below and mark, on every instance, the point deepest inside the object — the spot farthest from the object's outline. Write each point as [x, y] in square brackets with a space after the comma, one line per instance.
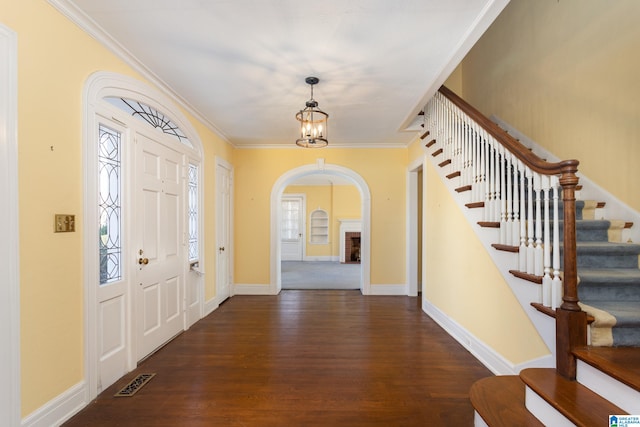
[347, 225]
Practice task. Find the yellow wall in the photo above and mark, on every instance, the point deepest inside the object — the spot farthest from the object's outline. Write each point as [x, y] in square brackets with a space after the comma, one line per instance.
[339, 201]
[463, 282]
[257, 171]
[565, 73]
[54, 60]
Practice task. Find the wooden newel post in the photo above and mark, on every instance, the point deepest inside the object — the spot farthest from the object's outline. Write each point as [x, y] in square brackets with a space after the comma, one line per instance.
[571, 321]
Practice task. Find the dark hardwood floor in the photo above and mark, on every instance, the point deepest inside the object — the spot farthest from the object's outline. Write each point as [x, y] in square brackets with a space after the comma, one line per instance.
[302, 358]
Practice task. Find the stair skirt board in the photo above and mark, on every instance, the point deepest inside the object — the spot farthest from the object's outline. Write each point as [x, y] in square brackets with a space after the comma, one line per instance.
[609, 388]
[546, 413]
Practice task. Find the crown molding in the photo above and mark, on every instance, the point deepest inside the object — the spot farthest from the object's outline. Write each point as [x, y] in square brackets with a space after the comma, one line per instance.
[88, 25]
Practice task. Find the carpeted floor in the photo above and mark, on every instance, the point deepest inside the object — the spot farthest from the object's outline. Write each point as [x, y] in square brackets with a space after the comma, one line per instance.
[320, 275]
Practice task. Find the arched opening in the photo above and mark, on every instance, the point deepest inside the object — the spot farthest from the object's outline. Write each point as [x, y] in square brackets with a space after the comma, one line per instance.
[276, 196]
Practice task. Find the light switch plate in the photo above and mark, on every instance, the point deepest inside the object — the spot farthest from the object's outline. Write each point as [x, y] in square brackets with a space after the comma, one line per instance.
[64, 223]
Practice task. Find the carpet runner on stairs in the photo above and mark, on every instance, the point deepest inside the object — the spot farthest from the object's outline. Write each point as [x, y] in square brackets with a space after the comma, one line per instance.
[609, 279]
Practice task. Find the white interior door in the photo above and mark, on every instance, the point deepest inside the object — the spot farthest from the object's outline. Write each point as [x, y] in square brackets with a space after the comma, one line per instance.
[223, 226]
[159, 200]
[292, 228]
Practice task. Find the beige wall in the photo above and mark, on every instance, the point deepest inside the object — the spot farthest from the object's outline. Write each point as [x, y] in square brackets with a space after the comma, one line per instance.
[566, 74]
[54, 60]
[339, 201]
[257, 170]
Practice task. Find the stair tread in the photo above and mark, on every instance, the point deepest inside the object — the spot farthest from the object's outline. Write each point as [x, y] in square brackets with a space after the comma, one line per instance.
[627, 313]
[500, 402]
[576, 402]
[621, 363]
[617, 274]
[587, 247]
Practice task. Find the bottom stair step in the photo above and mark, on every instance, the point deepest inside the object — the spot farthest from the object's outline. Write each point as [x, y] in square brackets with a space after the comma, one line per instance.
[614, 372]
[499, 401]
[569, 402]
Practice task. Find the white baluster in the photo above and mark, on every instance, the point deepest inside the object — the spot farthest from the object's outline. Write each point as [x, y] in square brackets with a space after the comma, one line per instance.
[487, 178]
[538, 254]
[509, 190]
[546, 279]
[477, 174]
[530, 221]
[522, 258]
[502, 198]
[494, 212]
[556, 284]
[515, 241]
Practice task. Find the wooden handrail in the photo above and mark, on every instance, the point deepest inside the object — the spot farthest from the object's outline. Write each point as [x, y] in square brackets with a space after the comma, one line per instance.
[570, 319]
[510, 143]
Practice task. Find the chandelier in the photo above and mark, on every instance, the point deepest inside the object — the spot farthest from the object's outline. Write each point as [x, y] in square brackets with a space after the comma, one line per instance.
[313, 122]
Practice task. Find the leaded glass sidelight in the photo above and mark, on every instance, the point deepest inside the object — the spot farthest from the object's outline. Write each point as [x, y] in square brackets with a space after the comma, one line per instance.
[110, 204]
[193, 213]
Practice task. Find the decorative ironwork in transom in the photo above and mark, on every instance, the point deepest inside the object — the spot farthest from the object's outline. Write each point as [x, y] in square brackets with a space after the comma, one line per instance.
[151, 116]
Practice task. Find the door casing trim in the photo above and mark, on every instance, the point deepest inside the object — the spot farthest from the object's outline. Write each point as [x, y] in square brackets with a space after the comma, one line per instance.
[99, 85]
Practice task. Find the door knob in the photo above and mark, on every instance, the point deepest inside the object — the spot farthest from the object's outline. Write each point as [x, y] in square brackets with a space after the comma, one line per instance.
[143, 261]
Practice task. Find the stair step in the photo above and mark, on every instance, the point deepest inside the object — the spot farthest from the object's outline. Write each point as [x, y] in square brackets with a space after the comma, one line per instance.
[609, 284]
[430, 143]
[614, 372]
[453, 175]
[626, 331]
[424, 135]
[489, 224]
[597, 255]
[444, 163]
[499, 401]
[552, 312]
[437, 152]
[475, 205]
[525, 276]
[463, 188]
[567, 400]
[506, 248]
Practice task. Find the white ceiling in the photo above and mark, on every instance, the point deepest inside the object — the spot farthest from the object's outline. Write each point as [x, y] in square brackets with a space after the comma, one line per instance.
[240, 64]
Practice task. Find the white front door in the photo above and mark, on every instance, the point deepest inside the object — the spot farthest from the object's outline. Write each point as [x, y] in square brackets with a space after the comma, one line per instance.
[292, 228]
[159, 233]
[223, 220]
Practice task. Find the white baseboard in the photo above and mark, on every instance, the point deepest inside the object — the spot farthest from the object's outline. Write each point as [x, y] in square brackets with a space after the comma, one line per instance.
[485, 354]
[210, 306]
[322, 258]
[388, 289]
[240, 289]
[59, 409]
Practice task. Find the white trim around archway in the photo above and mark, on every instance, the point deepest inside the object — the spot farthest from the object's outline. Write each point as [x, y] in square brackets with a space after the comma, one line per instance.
[365, 196]
[10, 406]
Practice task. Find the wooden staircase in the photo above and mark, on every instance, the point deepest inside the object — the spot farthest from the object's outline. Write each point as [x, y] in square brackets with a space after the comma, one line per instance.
[588, 383]
[543, 397]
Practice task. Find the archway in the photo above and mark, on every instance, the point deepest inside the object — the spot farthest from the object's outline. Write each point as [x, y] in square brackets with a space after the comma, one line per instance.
[365, 196]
